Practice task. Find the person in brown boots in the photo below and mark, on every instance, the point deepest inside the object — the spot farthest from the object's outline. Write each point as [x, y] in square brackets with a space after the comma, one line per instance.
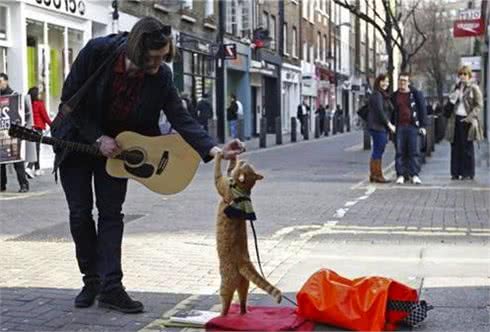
[380, 110]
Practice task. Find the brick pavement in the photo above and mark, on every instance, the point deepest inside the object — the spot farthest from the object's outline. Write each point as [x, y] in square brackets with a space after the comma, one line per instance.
[39, 279]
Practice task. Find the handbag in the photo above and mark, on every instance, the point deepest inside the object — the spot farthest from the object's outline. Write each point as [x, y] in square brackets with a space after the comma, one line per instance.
[448, 109]
[363, 112]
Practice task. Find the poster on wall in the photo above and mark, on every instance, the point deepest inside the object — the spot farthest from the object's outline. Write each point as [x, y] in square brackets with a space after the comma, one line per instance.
[11, 149]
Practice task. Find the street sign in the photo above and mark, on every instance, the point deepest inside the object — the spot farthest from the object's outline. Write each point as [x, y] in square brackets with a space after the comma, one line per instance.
[469, 24]
[229, 51]
[468, 28]
[474, 62]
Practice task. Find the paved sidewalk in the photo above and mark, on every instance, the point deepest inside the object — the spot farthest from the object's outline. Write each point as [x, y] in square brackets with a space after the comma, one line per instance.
[433, 237]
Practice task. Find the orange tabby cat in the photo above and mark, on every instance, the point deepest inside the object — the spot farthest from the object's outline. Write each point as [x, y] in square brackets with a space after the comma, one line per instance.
[236, 269]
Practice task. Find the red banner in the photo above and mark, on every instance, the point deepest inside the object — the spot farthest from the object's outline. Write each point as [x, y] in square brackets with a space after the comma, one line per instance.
[468, 28]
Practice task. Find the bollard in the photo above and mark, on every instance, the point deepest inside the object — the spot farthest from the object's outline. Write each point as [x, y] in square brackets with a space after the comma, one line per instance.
[278, 131]
[341, 123]
[263, 132]
[334, 124]
[241, 129]
[433, 134]
[327, 125]
[317, 126]
[366, 140]
[306, 122]
[293, 129]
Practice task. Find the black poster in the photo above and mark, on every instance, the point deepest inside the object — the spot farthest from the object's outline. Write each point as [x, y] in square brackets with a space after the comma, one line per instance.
[10, 148]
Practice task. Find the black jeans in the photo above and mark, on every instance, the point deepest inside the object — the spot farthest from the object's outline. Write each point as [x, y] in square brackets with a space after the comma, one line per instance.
[21, 175]
[98, 252]
[462, 150]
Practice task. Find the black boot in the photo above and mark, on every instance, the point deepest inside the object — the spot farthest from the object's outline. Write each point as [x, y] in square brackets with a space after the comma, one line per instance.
[87, 296]
[118, 299]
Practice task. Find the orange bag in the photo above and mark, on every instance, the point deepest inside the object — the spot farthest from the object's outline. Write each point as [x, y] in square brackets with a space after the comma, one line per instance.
[359, 304]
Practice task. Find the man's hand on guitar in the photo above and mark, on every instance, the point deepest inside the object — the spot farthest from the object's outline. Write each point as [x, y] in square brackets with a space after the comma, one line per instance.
[108, 146]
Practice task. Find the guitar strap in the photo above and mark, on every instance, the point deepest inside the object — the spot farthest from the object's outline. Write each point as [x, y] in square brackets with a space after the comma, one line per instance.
[71, 104]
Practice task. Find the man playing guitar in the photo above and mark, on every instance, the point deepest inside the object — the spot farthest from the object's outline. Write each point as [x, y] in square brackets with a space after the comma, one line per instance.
[117, 83]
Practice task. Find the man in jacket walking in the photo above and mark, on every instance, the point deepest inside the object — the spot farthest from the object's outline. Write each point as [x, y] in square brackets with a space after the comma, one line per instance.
[409, 119]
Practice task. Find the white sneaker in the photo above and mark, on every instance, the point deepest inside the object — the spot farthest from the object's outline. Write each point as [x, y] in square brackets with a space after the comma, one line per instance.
[416, 180]
[400, 180]
[39, 172]
[30, 173]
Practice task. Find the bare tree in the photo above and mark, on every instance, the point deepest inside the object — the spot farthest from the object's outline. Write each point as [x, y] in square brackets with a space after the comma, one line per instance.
[434, 61]
[389, 22]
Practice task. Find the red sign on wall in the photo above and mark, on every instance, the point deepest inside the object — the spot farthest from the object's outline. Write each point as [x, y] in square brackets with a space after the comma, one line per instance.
[468, 28]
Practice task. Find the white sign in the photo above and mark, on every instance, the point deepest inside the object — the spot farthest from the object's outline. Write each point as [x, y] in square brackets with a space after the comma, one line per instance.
[474, 62]
[74, 7]
[469, 14]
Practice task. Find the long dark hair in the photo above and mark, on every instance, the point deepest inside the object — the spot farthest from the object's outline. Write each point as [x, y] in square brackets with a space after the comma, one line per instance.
[377, 84]
[149, 34]
[34, 93]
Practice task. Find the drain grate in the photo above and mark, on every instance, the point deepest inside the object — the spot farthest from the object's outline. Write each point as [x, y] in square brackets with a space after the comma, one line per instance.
[60, 232]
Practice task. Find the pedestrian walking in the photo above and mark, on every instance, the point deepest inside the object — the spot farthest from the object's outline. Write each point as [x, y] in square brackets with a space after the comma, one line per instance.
[40, 120]
[232, 116]
[19, 166]
[463, 125]
[409, 119]
[204, 111]
[138, 84]
[378, 121]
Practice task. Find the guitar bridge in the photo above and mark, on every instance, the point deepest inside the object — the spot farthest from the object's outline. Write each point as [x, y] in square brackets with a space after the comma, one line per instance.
[163, 163]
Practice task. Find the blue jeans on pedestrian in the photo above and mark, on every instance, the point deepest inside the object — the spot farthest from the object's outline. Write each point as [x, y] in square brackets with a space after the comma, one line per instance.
[380, 138]
[407, 151]
[98, 252]
[233, 128]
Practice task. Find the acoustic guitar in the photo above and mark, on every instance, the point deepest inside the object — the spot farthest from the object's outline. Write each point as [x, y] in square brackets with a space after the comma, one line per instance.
[164, 164]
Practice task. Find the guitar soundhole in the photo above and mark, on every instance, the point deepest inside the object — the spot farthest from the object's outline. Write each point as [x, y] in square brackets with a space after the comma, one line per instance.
[134, 158]
[143, 171]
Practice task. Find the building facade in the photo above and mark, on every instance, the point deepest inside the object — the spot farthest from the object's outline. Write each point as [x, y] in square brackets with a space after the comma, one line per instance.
[39, 40]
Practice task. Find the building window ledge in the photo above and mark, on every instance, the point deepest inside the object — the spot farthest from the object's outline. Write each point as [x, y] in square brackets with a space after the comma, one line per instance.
[210, 26]
[295, 57]
[187, 18]
[161, 8]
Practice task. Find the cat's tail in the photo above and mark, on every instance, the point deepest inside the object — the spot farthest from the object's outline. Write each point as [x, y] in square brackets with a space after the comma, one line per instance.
[250, 273]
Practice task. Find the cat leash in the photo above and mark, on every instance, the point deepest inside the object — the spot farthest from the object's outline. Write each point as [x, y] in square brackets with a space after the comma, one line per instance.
[260, 264]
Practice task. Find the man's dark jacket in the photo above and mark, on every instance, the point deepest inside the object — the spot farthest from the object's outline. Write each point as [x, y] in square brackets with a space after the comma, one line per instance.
[85, 123]
[418, 109]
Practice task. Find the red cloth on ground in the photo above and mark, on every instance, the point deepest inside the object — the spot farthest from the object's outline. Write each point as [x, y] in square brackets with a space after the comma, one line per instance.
[260, 318]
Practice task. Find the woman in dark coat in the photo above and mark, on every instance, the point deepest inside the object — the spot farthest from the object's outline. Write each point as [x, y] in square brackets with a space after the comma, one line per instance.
[380, 110]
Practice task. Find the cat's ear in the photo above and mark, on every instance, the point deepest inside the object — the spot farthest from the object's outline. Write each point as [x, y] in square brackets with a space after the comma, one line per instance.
[241, 177]
[258, 176]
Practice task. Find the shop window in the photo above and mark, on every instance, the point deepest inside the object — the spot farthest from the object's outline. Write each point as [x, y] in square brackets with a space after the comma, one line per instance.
[3, 23]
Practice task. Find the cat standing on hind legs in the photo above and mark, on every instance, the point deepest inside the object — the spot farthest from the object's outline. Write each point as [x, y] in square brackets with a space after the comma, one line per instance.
[234, 210]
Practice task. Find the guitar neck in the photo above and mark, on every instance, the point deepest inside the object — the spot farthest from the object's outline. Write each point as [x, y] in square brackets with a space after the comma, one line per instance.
[73, 146]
